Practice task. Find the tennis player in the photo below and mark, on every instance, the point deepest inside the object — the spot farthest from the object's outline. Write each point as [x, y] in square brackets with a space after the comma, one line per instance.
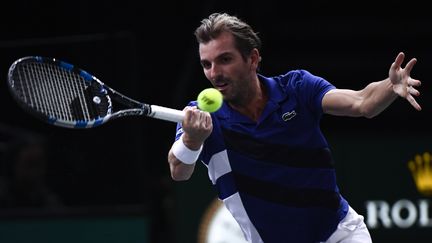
[264, 150]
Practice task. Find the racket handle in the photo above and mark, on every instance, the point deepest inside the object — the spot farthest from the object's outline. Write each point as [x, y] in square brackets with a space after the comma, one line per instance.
[167, 114]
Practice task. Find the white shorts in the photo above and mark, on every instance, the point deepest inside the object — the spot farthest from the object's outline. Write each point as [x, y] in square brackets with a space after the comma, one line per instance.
[351, 229]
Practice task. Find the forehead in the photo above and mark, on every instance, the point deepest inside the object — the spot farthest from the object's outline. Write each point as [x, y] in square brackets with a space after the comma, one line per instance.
[224, 43]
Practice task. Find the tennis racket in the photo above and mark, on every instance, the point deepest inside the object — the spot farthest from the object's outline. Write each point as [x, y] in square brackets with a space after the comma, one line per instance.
[63, 95]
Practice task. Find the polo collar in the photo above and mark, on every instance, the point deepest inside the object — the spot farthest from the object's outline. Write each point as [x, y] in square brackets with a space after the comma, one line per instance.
[275, 96]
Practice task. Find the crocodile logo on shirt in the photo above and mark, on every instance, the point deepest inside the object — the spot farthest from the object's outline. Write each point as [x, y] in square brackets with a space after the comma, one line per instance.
[289, 115]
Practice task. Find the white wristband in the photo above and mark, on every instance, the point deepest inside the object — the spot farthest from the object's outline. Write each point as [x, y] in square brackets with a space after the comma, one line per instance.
[185, 154]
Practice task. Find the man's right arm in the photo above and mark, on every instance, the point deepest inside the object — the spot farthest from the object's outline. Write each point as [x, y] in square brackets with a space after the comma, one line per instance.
[179, 170]
[197, 126]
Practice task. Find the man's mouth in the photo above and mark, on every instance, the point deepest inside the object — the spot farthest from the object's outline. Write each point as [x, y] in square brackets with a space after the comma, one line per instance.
[221, 86]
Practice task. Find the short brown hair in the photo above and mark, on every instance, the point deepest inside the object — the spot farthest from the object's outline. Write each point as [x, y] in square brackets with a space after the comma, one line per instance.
[246, 39]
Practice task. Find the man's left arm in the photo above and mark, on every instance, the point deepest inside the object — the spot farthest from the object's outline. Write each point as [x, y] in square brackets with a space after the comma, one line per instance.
[376, 96]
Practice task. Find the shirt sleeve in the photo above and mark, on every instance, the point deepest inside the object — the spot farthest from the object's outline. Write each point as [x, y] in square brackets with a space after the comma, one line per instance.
[312, 90]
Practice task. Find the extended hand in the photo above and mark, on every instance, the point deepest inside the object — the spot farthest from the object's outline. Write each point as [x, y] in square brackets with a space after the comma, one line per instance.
[403, 84]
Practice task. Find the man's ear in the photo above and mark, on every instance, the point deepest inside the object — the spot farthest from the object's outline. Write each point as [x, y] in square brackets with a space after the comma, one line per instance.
[255, 58]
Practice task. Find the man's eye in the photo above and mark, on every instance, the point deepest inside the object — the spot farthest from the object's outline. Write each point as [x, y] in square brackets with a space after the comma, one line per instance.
[226, 59]
[205, 65]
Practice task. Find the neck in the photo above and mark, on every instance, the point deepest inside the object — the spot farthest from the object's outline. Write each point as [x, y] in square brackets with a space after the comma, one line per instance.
[254, 105]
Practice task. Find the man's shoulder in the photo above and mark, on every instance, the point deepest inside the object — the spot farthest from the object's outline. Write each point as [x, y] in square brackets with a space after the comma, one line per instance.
[297, 74]
[292, 77]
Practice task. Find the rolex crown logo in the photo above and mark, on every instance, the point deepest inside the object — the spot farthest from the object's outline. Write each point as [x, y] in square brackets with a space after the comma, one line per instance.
[421, 171]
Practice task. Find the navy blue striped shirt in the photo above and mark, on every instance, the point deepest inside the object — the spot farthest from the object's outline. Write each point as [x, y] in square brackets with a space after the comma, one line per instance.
[276, 176]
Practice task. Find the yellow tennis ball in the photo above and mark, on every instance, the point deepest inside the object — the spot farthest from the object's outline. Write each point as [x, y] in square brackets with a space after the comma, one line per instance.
[210, 100]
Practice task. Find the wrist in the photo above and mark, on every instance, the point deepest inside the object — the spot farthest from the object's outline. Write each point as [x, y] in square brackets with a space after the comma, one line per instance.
[185, 154]
[191, 143]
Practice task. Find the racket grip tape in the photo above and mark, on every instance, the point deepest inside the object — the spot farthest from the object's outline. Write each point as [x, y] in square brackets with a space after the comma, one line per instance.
[165, 113]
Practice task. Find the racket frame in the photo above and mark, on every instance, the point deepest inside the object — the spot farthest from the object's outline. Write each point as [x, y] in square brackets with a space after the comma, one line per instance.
[134, 107]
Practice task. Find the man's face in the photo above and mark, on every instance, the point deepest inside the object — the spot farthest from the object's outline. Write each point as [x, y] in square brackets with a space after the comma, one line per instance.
[224, 66]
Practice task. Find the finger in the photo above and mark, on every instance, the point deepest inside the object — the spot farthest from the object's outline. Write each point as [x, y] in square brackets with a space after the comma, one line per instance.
[208, 121]
[414, 82]
[413, 102]
[194, 108]
[191, 114]
[200, 115]
[410, 65]
[396, 66]
[398, 61]
[189, 108]
[413, 91]
[188, 114]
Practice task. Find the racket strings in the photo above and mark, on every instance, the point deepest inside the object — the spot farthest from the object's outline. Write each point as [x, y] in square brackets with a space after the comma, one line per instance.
[77, 107]
[49, 89]
[63, 96]
[36, 91]
[56, 92]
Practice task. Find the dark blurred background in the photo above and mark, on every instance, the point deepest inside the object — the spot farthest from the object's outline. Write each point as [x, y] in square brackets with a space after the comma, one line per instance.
[112, 183]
